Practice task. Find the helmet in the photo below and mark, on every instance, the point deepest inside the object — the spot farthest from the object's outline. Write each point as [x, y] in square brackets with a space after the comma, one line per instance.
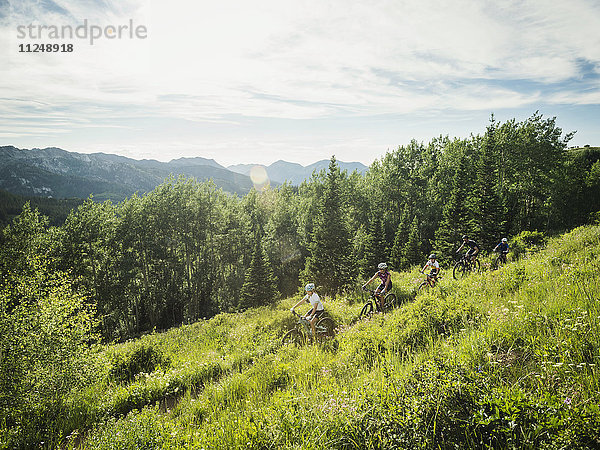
[432, 256]
[309, 287]
[504, 240]
[382, 266]
[465, 237]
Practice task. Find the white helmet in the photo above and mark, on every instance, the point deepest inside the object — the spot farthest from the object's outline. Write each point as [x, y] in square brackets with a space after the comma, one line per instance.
[504, 240]
[382, 266]
[309, 287]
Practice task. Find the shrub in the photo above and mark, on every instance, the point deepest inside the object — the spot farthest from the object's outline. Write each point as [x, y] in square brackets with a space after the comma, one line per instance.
[143, 429]
[138, 357]
[44, 346]
[527, 241]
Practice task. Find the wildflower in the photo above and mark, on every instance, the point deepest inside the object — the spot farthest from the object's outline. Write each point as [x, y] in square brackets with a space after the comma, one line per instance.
[567, 401]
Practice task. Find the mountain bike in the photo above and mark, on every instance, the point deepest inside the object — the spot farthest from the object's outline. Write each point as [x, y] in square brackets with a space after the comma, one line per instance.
[426, 283]
[500, 259]
[464, 266]
[301, 332]
[373, 304]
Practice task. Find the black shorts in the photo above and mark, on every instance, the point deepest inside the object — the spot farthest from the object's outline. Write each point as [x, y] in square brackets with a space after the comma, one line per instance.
[318, 313]
[382, 287]
[432, 274]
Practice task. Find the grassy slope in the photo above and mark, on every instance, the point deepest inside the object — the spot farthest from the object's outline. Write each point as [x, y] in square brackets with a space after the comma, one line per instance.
[505, 359]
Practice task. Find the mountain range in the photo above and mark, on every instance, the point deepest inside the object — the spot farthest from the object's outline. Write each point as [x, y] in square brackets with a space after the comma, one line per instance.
[281, 171]
[57, 173]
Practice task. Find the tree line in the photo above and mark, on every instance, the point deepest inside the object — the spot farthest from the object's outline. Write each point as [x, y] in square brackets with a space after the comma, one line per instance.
[56, 210]
[187, 250]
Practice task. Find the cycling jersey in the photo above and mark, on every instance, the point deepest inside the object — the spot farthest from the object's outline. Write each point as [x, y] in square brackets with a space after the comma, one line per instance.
[503, 247]
[472, 244]
[433, 265]
[314, 299]
[384, 276]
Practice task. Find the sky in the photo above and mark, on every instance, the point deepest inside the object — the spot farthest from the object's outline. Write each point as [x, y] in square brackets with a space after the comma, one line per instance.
[243, 81]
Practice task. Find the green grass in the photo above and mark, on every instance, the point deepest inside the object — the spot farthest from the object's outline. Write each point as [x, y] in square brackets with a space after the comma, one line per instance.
[504, 359]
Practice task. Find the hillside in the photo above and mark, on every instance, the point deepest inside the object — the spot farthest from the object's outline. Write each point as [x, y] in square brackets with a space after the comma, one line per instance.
[502, 359]
[53, 172]
[56, 210]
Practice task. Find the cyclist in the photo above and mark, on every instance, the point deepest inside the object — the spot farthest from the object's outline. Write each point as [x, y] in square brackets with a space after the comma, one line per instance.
[317, 310]
[435, 269]
[502, 247]
[473, 248]
[386, 282]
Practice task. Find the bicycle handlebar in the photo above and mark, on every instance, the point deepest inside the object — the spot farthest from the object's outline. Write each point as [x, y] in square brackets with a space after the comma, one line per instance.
[299, 316]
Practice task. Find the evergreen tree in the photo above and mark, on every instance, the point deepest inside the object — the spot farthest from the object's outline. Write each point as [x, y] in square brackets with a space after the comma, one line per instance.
[455, 216]
[363, 251]
[375, 250]
[330, 263]
[259, 286]
[488, 213]
[379, 242]
[398, 254]
[414, 245]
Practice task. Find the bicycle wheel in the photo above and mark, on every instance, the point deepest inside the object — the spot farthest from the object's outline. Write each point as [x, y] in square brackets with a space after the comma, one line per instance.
[498, 262]
[367, 310]
[325, 328]
[390, 302]
[476, 266]
[459, 270]
[293, 337]
[423, 286]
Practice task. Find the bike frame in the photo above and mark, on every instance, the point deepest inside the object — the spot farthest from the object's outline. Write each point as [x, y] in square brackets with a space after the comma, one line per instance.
[375, 304]
[431, 279]
[302, 326]
[466, 264]
[373, 299]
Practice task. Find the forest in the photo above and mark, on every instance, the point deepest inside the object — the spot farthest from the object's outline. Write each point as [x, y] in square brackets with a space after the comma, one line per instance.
[187, 250]
[11, 205]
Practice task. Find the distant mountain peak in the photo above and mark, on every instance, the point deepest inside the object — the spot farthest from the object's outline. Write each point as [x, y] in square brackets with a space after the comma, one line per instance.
[281, 171]
[197, 161]
[61, 174]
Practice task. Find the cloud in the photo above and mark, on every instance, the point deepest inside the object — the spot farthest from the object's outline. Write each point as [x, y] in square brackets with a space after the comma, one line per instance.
[213, 62]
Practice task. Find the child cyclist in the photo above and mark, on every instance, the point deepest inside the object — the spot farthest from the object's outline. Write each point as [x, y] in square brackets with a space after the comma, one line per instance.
[317, 309]
[386, 282]
[502, 247]
[435, 269]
